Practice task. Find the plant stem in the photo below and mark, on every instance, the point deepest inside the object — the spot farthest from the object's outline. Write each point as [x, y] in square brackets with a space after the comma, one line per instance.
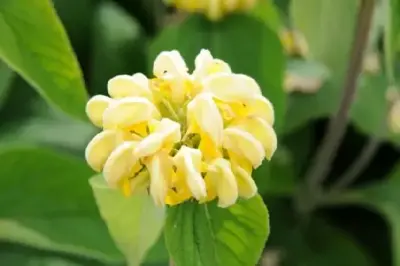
[337, 126]
[365, 157]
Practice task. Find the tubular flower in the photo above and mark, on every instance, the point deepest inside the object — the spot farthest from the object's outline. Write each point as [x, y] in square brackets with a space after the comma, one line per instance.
[182, 135]
[213, 9]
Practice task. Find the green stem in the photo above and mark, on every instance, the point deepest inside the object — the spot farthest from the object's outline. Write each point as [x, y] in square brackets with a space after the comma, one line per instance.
[322, 162]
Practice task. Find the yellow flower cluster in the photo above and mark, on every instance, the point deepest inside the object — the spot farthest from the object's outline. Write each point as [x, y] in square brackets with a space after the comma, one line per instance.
[182, 135]
[213, 9]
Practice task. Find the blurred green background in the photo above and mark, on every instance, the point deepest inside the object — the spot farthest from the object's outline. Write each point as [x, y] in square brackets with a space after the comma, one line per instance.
[48, 214]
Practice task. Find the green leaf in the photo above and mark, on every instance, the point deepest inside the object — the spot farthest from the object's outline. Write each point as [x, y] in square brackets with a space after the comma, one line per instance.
[261, 58]
[36, 46]
[76, 17]
[52, 206]
[312, 244]
[135, 223]
[118, 40]
[266, 11]
[370, 109]
[204, 234]
[328, 27]
[382, 196]
[6, 78]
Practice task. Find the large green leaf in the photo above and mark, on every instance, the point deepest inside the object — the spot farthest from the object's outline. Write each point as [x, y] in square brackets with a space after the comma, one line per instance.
[328, 27]
[314, 243]
[204, 234]
[118, 40]
[135, 223]
[33, 42]
[382, 196]
[46, 202]
[246, 43]
[6, 78]
[370, 109]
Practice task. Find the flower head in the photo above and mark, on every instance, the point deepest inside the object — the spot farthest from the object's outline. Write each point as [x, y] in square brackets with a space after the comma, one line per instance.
[213, 9]
[182, 136]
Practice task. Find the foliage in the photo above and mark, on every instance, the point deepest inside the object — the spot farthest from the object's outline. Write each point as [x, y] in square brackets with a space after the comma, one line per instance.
[54, 53]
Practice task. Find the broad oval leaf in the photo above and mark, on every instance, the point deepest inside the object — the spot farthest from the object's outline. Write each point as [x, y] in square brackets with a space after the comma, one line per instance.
[135, 223]
[46, 202]
[247, 44]
[34, 43]
[204, 234]
[328, 27]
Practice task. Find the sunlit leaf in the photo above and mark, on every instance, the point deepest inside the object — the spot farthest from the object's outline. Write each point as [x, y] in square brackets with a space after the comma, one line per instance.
[34, 43]
[135, 223]
[204, 234]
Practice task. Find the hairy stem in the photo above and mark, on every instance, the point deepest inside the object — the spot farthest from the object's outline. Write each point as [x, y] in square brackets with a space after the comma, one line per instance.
[365, 157]
[337, 126]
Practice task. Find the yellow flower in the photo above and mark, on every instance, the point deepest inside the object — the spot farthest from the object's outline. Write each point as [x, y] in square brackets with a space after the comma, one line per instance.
[213, 9]
[182, 135]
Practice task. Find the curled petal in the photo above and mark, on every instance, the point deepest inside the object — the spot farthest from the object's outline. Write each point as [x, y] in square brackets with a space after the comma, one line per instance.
[170, 63]
[188, 164]
[206, 65]
[231, 87]
[160, 169]
[123, 86]
[100, 148]
[120, 163]
[246, 185]
[203, 112]
[262, 131]
[224, 182]
[242, 142]
[261, 107]
[165, 134]
[128, 112]
[95, 108]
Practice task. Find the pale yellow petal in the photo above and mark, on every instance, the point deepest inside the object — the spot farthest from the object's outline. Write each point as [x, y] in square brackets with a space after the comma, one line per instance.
[203, 112]
[231, 87]
[242, 142]
[95, 108]
[119, 163]
[225, 182]
[165, 134]
[128, 112]
[170, 63]
[123, 86]
[246, 185]
[100, 148]
[262, 107]
[188, 162]
[262, 131]
[215, 10]
[206, 65]
[160, 169]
